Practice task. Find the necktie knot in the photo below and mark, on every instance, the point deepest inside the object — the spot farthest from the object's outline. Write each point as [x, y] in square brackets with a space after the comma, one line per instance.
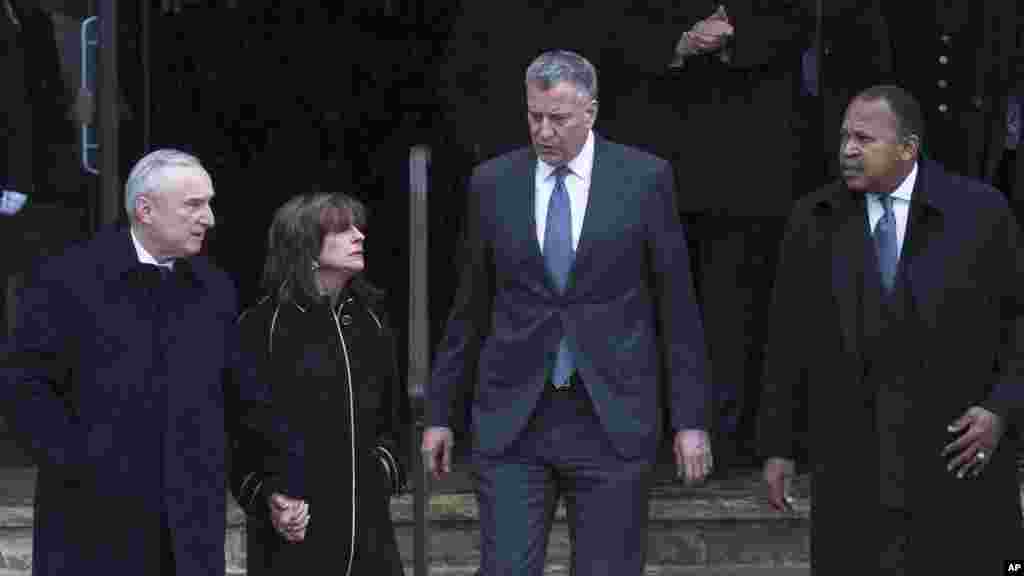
[560, 173]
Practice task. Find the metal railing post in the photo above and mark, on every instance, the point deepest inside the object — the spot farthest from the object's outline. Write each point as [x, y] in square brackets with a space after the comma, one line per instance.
[419, 342]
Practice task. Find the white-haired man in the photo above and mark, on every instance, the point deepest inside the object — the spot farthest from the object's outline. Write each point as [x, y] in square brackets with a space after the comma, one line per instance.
[116, 385]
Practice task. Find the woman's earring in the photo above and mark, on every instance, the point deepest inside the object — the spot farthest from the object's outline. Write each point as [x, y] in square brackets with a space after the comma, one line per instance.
[316, 265]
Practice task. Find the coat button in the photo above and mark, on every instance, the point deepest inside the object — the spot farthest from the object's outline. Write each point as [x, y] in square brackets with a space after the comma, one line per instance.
[346, 320]
[945, 38]
[924, 364]
[325, 396]
[943, 108]
[943, 59]
[978, 102]
[943, 84]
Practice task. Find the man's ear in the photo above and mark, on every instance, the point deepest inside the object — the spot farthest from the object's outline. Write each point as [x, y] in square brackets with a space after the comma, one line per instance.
[911, 147]
[143, 209]
[591, 113]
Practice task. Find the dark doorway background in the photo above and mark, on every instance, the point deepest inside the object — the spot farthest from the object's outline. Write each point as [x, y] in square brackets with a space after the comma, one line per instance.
[281, 100]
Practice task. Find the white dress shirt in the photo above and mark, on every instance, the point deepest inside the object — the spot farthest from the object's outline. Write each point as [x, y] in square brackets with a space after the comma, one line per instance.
[577, 184]
[145, 257]
[900, 207]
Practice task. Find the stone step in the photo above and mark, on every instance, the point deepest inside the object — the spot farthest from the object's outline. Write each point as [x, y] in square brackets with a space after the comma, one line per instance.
[651, 570]
[723, 526]
[724, 523]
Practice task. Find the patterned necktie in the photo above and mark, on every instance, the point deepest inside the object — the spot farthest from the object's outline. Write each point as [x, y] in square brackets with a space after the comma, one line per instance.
[559, 255]
[886, 244]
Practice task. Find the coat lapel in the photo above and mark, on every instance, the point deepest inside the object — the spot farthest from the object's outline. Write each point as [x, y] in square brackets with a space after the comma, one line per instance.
[524, 191]
[596, 216]
[925, 224]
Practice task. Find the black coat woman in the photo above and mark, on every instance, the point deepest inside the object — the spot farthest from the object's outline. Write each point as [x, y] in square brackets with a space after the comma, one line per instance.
[322, 342]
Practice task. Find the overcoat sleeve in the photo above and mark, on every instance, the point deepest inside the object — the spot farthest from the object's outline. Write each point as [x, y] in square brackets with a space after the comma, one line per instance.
[1007, 396]
[784, 368]
[394, 419]
[264, 455]
[38, 376]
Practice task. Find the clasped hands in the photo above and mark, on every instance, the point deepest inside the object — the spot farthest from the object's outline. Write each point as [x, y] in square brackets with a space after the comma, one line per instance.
[979, 432]
[708, 35]
[289, 516]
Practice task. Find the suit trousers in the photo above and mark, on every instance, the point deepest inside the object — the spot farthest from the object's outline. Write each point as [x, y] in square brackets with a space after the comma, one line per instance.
[563, 452]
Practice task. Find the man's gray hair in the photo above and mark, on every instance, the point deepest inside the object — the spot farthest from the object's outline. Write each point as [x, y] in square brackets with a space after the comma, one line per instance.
[145, 176]
[555, 66]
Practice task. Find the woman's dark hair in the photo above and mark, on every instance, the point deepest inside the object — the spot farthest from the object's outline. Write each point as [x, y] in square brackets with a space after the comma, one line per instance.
[295, 240]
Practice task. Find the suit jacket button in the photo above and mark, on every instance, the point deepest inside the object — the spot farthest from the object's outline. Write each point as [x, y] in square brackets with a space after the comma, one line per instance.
[346, 320]
[325, 396]
[924, 364]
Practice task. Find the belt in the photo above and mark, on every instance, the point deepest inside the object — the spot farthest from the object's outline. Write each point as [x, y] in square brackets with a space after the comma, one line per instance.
[570, 382]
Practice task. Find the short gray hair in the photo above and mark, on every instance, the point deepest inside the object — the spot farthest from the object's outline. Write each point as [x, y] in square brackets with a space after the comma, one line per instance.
[145, 175]
[555, 66]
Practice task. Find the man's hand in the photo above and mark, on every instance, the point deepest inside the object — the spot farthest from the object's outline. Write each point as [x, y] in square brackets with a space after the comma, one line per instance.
[777, 473]
[436, 447]
[289, 516]
[693, 455]
[971, 451]
[711, 33]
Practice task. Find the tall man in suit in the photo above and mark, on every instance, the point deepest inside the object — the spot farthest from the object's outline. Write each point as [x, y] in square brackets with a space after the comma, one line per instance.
[901, 293]
[575, 330]
[116, 385]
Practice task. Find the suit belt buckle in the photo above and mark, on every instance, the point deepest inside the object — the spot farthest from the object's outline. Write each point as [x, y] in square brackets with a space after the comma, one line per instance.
[569, 382]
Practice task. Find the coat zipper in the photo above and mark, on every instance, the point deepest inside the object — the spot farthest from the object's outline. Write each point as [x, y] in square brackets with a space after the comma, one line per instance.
[352, 423]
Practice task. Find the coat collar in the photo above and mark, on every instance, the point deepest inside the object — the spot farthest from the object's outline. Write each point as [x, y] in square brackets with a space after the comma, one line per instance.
[932, 202]
[121, 261]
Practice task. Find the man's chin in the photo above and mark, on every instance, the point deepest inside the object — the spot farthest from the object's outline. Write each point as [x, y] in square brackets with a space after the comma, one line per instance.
[855, 182]
[549, 156]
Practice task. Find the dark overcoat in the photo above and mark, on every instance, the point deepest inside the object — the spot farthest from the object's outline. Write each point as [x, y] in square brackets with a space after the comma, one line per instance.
[116, 385]
[965, 275]
[333, 379]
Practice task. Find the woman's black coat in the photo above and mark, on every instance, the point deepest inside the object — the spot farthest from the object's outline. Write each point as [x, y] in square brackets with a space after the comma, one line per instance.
[332, 375]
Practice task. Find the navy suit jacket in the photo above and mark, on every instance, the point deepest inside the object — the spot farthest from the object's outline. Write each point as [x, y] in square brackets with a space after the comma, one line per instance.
[115, 384]
[629, 310]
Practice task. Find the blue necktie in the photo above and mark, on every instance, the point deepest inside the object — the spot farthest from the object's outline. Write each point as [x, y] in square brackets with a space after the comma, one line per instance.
[886, 244]
[559, 256]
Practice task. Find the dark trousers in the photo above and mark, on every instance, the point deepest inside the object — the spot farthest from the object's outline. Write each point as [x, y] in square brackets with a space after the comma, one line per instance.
[564, 452]
[734, 260]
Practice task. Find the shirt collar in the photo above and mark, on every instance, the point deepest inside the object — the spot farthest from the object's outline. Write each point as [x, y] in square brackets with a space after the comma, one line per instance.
[144, 256]
[581, 165]
[906, 188]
